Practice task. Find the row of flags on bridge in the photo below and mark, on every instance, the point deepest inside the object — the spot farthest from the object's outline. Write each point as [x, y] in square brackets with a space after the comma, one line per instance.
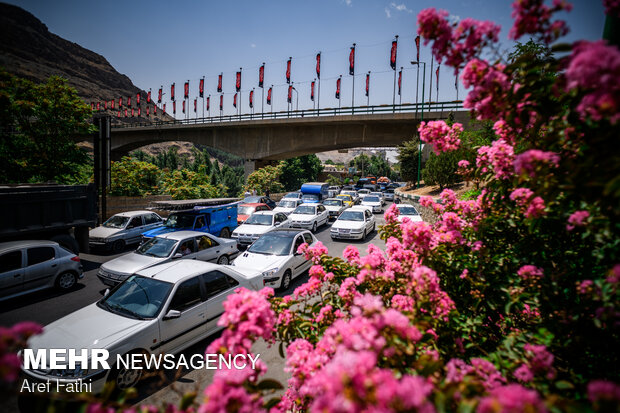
[125, 106]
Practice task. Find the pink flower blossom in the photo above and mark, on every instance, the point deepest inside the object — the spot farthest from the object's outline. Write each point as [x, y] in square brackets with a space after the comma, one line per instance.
[585, 287]
[314, 252]
[594, 68]
[524, 374]
[612, 7]
[227, 390]
[540, 360]
[521, 196]
[463, 164]
[351, 254]
[402, 303]
[528, 161]
[603, 390]
[417, 235]
[530, 272]
[326, 313]
[536, 208]
[309, 288]
[348, 290]
[499, 156]
[533, 17]
[440, 136]
[490, 86]
[512, 398]
[504, 131]
[614, 275]
[391, 214]
[577, 219]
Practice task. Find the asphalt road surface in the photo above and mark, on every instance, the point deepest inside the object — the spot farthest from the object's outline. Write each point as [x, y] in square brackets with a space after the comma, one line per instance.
[45, 307]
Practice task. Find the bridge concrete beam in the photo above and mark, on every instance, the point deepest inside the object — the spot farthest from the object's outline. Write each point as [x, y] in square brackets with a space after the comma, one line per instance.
[273, 139]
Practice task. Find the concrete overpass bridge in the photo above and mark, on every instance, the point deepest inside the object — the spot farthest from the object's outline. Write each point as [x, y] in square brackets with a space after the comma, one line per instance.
[260, 138]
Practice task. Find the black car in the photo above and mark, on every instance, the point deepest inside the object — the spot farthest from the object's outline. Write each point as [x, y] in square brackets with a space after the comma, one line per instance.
[258, 199]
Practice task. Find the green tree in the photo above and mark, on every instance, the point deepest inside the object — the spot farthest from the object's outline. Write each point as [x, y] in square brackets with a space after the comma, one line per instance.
[333, 180]
[408, 154]
[232, 179]
[38, 125]
[441, 169]
[185, 184]
[131, 177]
[266, 178]
[172, 158]
[296, 171]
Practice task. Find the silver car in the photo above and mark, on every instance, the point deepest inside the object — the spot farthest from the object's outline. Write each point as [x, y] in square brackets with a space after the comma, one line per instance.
[27, 266]
[123, 229]
[191, 245]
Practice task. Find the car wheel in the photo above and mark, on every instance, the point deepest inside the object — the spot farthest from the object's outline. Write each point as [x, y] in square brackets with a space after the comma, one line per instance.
[286, 280]
[66, 281]
[225, 233]
[118, 245]
[223, 260]
[124, 378]
[314, 227]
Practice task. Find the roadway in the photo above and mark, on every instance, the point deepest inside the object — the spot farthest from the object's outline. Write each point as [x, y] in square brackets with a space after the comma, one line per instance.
[45, 307]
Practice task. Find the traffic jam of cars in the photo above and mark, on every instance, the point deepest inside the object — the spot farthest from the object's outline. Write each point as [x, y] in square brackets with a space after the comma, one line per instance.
[168, 292]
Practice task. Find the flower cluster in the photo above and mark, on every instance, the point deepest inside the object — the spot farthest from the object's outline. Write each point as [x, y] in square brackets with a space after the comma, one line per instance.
[227, 392]
[440, 136]
[532, 207]
[529, 161]
[533, 17]
[11, 340]
[498, 157]
[490, 86]
[577, 219]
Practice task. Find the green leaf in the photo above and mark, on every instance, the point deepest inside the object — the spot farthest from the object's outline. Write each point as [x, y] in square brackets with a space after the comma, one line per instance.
[564, 385]
[269, 384]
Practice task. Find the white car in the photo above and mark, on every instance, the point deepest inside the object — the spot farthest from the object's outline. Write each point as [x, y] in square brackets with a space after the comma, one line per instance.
[275, 255]
[334, 206]
[354, 223]
[193, 245]
[258, 224]
[333, 191]
[309, 216]
[380, 195]
[293, 195]
[409, 212]
[160, 310]
[353, 194]
[123, 229]
[362, 193]
[287, 205]
[373, 202]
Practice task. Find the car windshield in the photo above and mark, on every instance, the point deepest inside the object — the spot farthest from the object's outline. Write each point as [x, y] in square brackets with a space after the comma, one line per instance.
[273, 244]
[376, 193]
[351, 216]
[259, 220]
[310, 197]
[245, 210]
[363, 191]
[116, 222]
[137, 297]
[333, 202]
[252, 199]
[180, 221]
[292, 195]
[352, 193]
[389, 191]
[157, 247]
[304, 210]
[408, 210]
[287, 204]
[371, 198]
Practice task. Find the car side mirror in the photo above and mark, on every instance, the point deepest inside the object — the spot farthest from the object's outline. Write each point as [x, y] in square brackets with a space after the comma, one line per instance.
[177, 255]
[172, 314]
[277, 223]
[106, 292]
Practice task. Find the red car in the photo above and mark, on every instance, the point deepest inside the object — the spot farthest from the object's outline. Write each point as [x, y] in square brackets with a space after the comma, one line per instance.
[245, 210]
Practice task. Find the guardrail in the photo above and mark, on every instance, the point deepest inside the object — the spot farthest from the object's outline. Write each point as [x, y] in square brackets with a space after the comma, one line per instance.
[358, 110]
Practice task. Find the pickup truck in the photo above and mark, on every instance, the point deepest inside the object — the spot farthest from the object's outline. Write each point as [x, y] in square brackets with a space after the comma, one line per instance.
[218, 220]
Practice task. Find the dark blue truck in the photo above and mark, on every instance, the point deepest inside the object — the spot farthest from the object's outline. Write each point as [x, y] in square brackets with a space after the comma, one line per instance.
[219, 220]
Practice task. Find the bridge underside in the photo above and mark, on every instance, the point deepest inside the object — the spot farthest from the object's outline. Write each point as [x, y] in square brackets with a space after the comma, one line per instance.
[273, 139]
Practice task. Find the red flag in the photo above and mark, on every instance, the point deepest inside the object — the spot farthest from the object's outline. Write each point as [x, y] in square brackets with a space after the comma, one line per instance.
[139, 111]
[98, 105]
[201, 88]
[221, 102]
[125, 112]
[92, 106]
[129, 101]
[195, 104]
[147, 110]
[352, 61]
[183, 106]
[235, 100]
[400, 81]
[238, 82]
[120, 102]
[208, 102]
[367, 83]
[174, 107]
[261, 76]
[417, 46]
[219, 84]
[338, 88]
[186, 90]
[269, 96]
[112, 103]
[132, 113]
[172, 92]
[159, 96]
[105, 105]
[164, 108]
[318, 65]
[148, 97]
[288, 70]
[312, 91]
[118, 115]
[138, 98]
[251, 98]
[393, 55]
[289, 98]
[154, 110]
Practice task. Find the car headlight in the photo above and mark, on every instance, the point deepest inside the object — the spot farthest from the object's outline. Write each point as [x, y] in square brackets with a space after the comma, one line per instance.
[356, 231]
[270, 273]
[234, 235]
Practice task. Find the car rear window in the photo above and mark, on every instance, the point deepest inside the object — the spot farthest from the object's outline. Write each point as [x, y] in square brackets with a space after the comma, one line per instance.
[38, 255]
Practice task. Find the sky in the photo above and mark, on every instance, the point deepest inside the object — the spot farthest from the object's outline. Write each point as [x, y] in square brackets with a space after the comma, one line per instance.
[160, 42]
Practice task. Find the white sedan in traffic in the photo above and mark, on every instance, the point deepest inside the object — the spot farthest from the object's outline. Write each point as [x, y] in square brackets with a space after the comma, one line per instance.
[373, 202]
[409, 212]
[287, 205]
[354, 223]
[160, 310]
[258, 224]
[309, 216]
[275, 256]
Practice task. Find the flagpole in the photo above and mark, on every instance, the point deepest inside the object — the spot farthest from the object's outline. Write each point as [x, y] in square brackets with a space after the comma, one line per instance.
[353, 91]
[203, 97]
[456, 85]
[430, 86]
[240, 100]
[368, 95]
[262, 102]
[437, 87]
[417, 94]
[400, 95]
[318, 97]
[340, 93]
[394, 89]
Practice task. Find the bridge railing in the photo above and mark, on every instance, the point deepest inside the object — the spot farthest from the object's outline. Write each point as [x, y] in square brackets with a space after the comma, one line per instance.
[307, 113]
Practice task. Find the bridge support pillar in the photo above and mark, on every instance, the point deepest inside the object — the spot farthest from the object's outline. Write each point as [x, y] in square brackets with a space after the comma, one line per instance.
[249, 166]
